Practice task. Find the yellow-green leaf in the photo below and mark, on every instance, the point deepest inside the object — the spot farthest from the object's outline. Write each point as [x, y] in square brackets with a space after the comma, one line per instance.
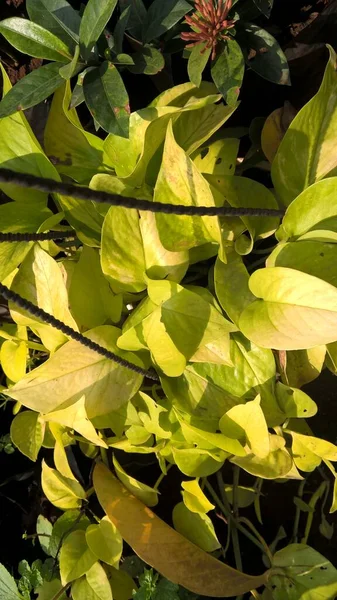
[13, 358]
[105, 541]
[277, 464]
[142, 491]
[249, 420]
[27, 432]
[75, 152]
[40, 281]
[196, 527]
[194, 498]
[20, 151]
[307, 151]
[179, 182]
[163, 548]
[75, 417]
[74, 370]
[75, 557]
[62, 492]
[295, 310]
[91, 300]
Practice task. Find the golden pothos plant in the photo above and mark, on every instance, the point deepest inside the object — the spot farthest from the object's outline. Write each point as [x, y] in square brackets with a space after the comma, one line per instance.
[232, 344]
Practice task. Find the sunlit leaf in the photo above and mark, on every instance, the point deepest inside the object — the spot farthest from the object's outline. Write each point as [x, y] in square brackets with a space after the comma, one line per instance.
[62, 492]
[30, 38]
[105, 542]
[40, 281]
[276, 464]
[194, 498]
[75, 370]
[294, 311]
[247, 420]
[27, 432]
[75, 557]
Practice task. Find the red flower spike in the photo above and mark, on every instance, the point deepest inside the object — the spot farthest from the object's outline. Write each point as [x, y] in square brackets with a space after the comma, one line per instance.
[210, 20]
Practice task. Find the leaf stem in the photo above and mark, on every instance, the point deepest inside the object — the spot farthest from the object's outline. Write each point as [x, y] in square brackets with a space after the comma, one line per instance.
[60, 593]
[229, 515]
[313, 501]
[160, 478]
[294, 538]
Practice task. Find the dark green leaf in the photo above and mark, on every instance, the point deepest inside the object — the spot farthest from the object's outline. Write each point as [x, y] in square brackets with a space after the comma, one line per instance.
[148, 61]
[120, 28]
[264, 55]
[137, 18]
[95, 17]
[58, 17]
[32, 89]
[67, 71]
[162, 15]
[107, 99]
[32, 39]
[228, 70]
[197, 62]
[265, 6]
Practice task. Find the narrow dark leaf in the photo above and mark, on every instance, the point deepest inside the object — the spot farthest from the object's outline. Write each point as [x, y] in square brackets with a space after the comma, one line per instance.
[265, 6]
[148, 61]
[58, 17]
[107, 99]
[78, 95]
[95, 17]
[137, 18]
[32, 89]
[197, 62]
[34, 40]
[120, 30]
[263, 54]
[162, 15]
[228, 70]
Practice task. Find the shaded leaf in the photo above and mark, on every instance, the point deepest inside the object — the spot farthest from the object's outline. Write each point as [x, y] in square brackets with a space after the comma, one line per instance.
[264, 55]
[32, 89]
[306, 153]
[196, 527]
[302, 573]
[143, 492]
[107, 99]
[228, 70]
[148, 60]
[70, 69]
[8, 587]
[137, 16]
[162, 16]
[276, 464]
[91, 300]
[95, 17]
[163, 548]
[197, 62]
[57, 16]
[71, 520]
